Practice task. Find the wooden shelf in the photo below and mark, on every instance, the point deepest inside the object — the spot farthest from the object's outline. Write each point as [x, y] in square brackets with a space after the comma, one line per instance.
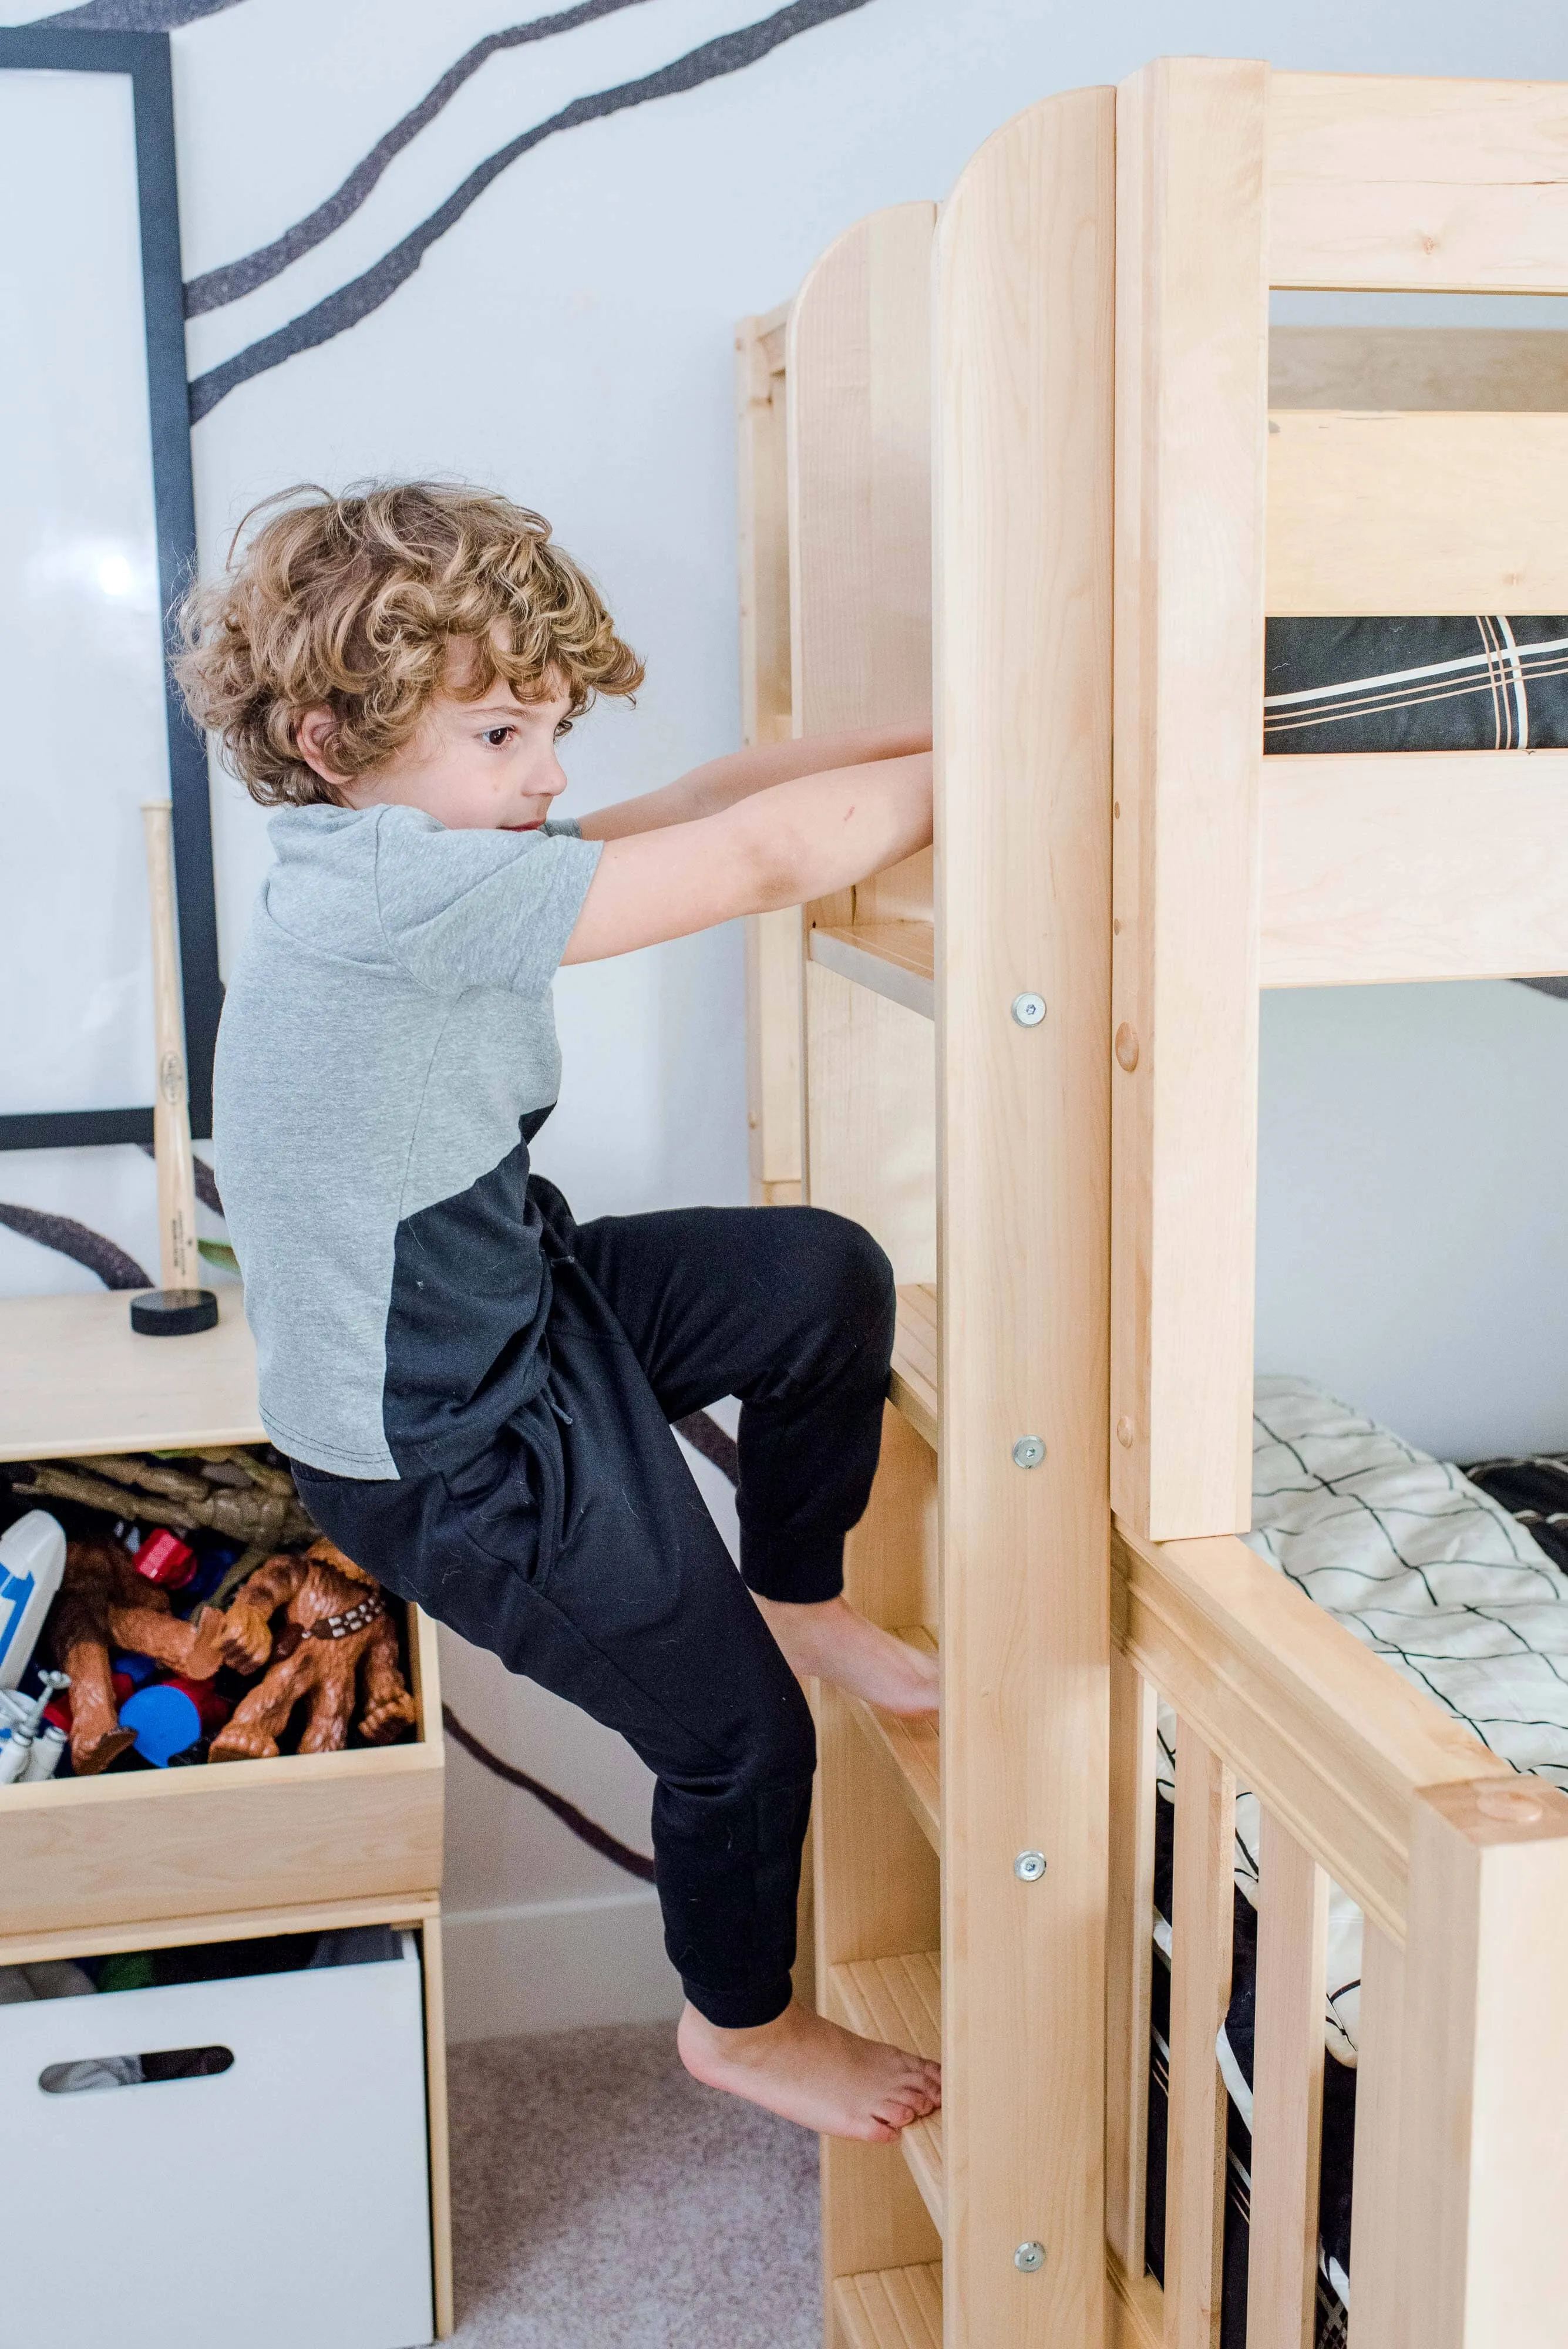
[893, 2308]
[913, 1746]
[912, 1385]
[900, 1999]
[74, 1378]
[897, 959]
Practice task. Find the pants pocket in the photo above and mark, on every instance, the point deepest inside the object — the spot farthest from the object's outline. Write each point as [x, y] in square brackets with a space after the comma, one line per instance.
[507, 1501]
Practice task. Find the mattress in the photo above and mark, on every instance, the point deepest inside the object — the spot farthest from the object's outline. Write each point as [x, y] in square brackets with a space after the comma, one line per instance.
[1480, 683]
[1452, 1578]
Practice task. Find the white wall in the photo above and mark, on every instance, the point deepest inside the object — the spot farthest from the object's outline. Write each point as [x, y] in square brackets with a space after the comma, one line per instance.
[570, 341]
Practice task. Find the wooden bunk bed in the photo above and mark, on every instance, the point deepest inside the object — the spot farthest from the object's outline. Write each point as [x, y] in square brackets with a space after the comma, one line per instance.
[1389, 472]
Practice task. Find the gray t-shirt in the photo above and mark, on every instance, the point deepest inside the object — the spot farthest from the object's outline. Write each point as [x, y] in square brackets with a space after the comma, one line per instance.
[386, 1052]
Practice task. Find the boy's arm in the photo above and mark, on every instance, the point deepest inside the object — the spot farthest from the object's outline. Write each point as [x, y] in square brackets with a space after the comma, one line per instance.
[709, 790]
[781, 846]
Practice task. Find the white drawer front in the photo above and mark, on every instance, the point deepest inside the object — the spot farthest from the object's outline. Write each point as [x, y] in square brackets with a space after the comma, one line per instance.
[283, 2202]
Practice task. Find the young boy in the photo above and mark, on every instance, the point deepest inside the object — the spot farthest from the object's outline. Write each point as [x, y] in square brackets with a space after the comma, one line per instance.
[475, 1391]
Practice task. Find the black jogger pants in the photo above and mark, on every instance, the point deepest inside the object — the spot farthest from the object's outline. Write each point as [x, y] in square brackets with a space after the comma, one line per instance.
[578, 1548]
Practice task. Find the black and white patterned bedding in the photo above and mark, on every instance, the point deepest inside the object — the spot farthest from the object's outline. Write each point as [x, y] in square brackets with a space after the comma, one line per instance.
[1482, 683]
[1457, 1580]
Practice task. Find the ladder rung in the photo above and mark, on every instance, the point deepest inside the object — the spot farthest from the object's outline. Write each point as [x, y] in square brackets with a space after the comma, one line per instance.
[912, 1383]
[897, 959]
[892, 2308]
[900, 1999]
[912, 1744]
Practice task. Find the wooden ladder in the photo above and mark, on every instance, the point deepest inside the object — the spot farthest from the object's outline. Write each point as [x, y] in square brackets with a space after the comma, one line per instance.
[946, 381]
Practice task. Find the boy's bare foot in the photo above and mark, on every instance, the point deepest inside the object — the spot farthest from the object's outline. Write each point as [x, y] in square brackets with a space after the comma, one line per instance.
[830, 1641]
[810, 2071]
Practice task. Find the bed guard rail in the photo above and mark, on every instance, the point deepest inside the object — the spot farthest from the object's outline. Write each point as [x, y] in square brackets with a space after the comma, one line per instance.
[1460, 1867]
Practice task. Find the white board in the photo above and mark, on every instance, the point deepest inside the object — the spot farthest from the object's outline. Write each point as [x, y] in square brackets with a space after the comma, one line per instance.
[81, 660]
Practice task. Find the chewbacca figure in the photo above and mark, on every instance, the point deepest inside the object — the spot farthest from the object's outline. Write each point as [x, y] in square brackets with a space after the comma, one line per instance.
[336, 1616]
[104, 1603]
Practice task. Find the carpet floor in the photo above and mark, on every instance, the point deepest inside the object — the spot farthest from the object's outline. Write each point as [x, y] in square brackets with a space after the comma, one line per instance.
[602, 2200]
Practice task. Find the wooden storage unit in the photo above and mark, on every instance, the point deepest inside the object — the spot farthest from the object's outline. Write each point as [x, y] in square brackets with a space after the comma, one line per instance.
[146, 1859]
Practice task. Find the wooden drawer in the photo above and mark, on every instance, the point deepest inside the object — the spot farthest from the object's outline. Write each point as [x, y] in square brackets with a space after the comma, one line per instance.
[93, 1855]
[81, 1853]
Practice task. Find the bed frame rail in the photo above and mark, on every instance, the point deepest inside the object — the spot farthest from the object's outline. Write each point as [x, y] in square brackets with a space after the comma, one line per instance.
[1463, 1871]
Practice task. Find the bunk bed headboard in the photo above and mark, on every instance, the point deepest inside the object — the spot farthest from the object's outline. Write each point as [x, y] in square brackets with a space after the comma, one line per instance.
[1233, 871]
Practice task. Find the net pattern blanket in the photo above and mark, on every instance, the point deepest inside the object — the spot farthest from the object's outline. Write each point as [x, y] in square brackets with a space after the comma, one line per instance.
[1425, 1567]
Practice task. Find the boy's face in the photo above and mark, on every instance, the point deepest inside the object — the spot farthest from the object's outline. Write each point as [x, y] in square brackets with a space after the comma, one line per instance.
[484, 765]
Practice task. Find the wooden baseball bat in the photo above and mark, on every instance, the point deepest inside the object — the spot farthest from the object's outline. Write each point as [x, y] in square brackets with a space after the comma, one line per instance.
[180, 1265]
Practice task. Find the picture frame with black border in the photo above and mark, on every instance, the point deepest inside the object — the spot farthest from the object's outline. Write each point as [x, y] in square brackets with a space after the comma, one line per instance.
[144, 58]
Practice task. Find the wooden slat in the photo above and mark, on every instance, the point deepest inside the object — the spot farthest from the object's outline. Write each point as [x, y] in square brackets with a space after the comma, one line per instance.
[1457, 186]
[1287, 2094]
[912, 1385]
[76, 1378]
[225, 1925]
[1424, 512]
[871, 1113]
[1191, 382]
[1023, 341]
[1375, 2213]
[1202, 1895]
[859, 403]
[912, 1745]
[1327, 1736]
[899, 2000]
[897, 2308]
[1484, 2165]
[1136, 2309]
[1414, 866]
[1492, 368]
[772, 940]
[897, 959]
[1129, 1959]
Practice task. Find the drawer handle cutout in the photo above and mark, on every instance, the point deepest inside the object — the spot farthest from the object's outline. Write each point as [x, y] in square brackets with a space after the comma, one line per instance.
[89, 2072]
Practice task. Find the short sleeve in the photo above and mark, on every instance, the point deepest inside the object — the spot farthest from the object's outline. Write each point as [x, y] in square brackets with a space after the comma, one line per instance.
[466, 909]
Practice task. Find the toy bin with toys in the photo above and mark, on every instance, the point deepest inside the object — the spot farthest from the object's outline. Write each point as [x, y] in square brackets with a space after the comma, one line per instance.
[216, 1732]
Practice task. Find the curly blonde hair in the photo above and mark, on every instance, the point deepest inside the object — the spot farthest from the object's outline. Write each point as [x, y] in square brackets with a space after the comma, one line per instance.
[353, 603]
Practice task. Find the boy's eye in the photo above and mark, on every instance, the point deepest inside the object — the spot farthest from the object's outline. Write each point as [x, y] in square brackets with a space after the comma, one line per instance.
[496, 735]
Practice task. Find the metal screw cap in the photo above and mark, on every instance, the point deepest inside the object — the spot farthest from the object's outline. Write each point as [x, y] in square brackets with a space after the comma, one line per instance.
[1029, 1010]
[1029, 1866]
[1029, 2258]
[1028, 1451]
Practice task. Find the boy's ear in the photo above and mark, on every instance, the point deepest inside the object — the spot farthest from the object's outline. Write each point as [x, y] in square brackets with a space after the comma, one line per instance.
[313, 740]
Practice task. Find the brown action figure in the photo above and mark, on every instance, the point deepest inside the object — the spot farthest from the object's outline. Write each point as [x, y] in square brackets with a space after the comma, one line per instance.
[337, 1616]
[104, 1601]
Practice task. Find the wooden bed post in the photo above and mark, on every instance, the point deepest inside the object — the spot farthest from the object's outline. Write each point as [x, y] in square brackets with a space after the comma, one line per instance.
[1023, 433]
[1191, 443]
[1483, 2245]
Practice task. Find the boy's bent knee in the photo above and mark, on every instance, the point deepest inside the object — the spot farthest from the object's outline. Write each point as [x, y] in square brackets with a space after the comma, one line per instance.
[846, 1268]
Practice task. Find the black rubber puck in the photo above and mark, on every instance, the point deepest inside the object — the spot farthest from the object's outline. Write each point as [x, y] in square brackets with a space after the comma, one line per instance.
[174, 1312]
